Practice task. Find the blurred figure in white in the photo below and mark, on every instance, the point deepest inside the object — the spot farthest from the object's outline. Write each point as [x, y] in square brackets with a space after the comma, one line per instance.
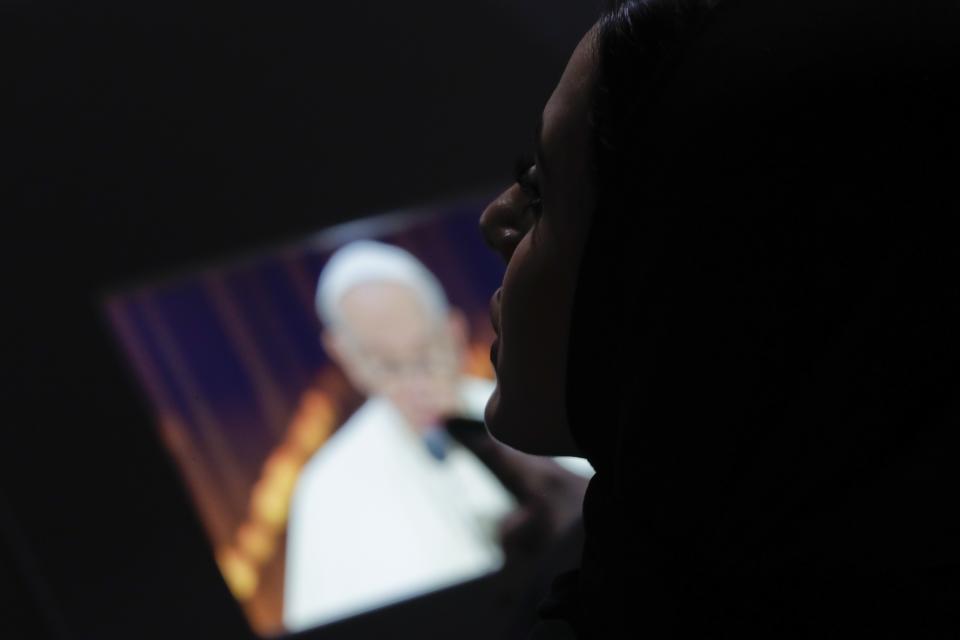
[392, 506]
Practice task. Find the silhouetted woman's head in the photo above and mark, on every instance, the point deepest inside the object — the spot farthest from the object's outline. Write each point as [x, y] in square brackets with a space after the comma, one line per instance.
[731, 284]
[540, 224]
[726, 170]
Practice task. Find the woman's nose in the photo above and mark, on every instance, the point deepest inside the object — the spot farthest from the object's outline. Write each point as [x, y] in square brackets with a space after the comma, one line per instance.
[500, 223]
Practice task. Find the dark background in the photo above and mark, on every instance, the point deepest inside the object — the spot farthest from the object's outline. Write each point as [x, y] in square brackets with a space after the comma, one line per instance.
[144, 137]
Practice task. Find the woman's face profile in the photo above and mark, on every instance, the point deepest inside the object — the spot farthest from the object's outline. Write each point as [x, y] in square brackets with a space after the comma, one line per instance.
[539, 226]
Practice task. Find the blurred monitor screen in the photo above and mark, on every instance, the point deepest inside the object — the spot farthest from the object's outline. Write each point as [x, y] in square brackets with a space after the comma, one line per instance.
[307, 423]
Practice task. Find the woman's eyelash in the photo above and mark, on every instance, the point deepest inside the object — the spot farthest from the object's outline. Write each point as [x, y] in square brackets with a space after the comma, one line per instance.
[521, 168]
[523, 176]
[523, 173]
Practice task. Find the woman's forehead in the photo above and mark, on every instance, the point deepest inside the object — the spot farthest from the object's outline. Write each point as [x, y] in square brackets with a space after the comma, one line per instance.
[566, 112]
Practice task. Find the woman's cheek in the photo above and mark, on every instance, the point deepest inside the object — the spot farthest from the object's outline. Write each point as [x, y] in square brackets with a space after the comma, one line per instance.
[535, 312]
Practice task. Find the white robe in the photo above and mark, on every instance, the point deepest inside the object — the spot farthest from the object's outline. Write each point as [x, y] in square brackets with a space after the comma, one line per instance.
[376, 519]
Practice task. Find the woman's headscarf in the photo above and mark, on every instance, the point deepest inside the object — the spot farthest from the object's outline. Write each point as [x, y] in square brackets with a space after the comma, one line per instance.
[766, 335]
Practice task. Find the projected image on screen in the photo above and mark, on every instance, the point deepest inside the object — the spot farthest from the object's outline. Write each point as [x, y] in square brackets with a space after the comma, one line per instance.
[303, 394]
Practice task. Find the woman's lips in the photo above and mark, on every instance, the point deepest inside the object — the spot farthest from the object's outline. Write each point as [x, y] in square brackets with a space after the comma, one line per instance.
[495, 311]
[494, 320]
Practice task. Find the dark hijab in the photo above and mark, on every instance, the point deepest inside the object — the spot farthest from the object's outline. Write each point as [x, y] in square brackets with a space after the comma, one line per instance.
[766, 335]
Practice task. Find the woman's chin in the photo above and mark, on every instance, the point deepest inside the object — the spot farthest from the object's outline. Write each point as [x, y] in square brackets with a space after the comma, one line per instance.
[527, 427]
[498, 421]
[491, 413]
[510, 428]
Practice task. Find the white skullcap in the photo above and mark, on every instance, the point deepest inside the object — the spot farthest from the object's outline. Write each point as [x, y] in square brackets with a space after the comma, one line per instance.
[366, 261]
